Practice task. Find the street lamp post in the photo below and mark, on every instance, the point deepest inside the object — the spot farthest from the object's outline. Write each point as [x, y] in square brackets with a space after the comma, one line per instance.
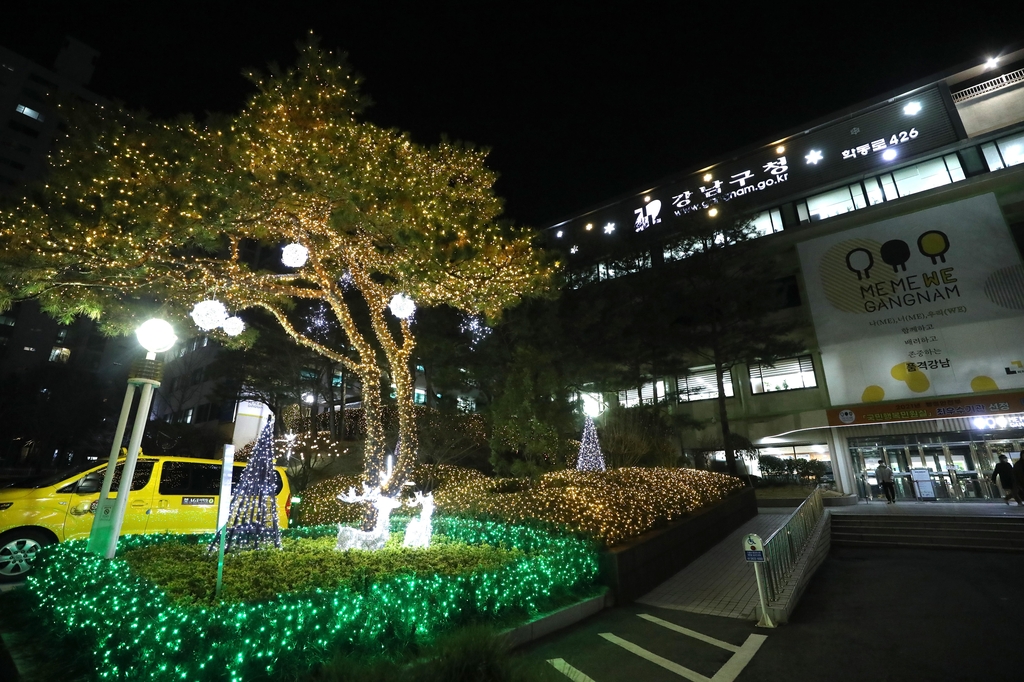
[156, 336]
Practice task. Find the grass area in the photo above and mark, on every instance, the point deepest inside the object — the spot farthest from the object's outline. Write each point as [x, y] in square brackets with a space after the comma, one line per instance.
[187, 572]
[131, 629]
[613, 506]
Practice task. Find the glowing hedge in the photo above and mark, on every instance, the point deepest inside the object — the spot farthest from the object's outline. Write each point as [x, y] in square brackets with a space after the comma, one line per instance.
[614, 506]
[138, 633]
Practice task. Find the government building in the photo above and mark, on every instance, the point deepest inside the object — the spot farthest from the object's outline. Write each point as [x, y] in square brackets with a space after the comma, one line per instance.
[902, 221]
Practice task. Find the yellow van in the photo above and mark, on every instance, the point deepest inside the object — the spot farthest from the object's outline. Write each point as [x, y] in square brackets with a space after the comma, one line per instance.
[168, 495]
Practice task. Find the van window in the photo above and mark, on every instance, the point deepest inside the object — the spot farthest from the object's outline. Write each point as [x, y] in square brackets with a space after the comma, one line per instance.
[93, 483]
[190, 478]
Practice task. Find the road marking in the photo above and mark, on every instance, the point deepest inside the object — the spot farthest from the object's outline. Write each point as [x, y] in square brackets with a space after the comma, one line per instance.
[690, 633]
[739, 660]
[656, 659]
[569, 671]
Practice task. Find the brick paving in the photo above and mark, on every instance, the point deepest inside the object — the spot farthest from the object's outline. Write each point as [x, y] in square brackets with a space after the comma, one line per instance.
[719, 583]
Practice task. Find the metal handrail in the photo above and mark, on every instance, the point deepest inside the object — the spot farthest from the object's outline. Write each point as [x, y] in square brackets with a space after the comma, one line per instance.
[988, 86]
[783, 548]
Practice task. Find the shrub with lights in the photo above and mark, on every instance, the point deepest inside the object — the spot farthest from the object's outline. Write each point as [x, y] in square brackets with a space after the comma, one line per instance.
[139, 632]
[613, 506]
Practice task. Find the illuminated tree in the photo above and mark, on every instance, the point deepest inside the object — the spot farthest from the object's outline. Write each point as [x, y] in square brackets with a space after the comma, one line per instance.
[590, 457]
[252, 523]
[137, 210]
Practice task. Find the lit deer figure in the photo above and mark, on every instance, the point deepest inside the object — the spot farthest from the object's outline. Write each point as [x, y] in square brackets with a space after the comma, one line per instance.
[417, 533]
[353, 538]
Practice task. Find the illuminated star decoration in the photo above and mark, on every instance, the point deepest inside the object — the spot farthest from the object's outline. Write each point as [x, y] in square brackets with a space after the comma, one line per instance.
[814, 157]
[318, 323]
[474, 326]
[575, 249]
[609, 228]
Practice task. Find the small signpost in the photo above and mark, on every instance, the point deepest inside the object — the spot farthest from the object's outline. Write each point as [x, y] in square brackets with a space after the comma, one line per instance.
[753, 551]
[224, 509]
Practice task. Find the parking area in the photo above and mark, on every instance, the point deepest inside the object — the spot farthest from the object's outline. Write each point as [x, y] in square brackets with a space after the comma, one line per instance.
[878, 614]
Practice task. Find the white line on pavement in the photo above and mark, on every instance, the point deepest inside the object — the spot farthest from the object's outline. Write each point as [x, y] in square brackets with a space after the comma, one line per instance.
[738, 661]
[654, 658]
[690, 633]
[569, 671]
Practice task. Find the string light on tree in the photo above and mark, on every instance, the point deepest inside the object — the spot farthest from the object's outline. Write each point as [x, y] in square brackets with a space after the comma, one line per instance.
[590, 457]
[209, 314]
[183, 200]
[294, 255]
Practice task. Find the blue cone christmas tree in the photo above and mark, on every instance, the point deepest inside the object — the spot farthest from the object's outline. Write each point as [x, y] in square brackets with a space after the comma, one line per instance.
[590, 458]
[252, 523]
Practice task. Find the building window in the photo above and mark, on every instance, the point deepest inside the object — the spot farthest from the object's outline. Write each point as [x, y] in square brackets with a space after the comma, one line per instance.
[419, 396]
[60, 354]
[789, 374]
[197, 376]
[768, 222]
[1009, 151]
[649, 393]
[466, 403]
[31, 113]
[702, 384]
[887, 187]
[6, 321]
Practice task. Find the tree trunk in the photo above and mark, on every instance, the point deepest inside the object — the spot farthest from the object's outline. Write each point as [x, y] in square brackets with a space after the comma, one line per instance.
[723, 416]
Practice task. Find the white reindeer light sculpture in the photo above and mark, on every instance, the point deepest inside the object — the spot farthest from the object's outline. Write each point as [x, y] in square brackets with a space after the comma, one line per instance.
[419, 530]
[353, 538]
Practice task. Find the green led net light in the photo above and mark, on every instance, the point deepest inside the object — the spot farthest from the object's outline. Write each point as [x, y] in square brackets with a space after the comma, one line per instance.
[137, 632]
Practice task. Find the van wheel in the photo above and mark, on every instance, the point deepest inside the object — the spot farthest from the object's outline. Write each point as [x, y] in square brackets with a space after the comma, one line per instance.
[18, 549]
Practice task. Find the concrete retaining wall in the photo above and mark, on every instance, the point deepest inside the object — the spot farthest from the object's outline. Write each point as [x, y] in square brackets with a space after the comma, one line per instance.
[634, 569]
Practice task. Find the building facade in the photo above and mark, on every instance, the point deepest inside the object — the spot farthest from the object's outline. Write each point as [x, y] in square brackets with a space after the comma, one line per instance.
[902, 220]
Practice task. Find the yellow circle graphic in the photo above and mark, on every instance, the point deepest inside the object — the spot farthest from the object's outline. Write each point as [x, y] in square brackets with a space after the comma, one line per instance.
[981, 384]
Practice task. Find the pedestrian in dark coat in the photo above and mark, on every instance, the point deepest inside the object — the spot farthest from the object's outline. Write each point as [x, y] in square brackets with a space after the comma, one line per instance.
[1003, 476]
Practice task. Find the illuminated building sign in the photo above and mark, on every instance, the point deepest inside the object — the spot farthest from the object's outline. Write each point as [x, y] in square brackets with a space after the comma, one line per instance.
[865, 143]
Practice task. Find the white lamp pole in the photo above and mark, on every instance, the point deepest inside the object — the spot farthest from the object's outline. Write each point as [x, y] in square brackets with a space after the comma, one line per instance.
[156, 336]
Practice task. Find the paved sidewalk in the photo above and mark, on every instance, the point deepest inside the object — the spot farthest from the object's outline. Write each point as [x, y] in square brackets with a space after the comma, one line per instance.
[915, 508]
[719, 583]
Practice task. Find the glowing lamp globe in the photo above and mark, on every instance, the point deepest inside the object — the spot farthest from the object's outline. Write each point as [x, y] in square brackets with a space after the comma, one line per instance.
[294, 255]
[209, 314]
[233, 326]
[156, 336]
[402, 306]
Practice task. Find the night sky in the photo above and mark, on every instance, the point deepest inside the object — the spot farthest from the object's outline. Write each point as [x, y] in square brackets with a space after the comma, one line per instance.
[579, 103]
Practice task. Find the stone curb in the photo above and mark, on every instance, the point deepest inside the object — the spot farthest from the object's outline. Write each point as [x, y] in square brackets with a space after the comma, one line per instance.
[556, 620]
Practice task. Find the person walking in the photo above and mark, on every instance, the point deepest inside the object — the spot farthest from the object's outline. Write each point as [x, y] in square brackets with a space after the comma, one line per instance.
[1018, 475]
[883, 474]
[1003, 476]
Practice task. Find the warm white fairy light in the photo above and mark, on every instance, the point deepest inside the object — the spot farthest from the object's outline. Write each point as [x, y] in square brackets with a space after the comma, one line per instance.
[294, 255]
[209, 314]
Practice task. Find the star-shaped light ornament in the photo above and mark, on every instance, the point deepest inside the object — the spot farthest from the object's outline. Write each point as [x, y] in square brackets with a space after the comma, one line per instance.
[233, 326]
[209, 314]
[574, 250]
[294, 255]
[814, 157]
[609, 228]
